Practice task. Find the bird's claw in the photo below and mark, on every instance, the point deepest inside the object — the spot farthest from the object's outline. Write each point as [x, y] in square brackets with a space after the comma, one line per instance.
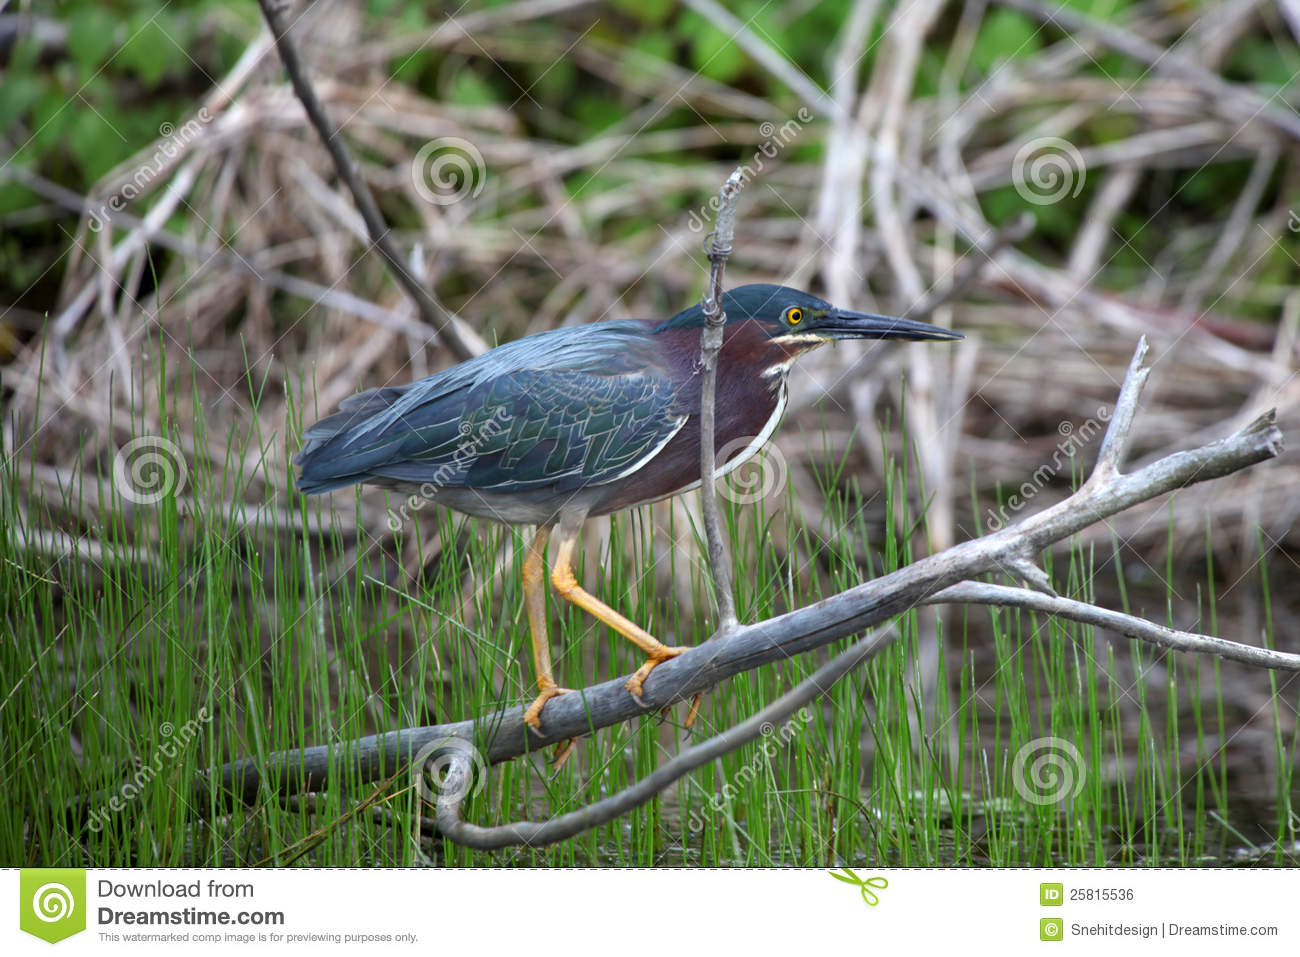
[561, 755]
[533, 713]
[694, 711]
[691, 714]
[636, 684]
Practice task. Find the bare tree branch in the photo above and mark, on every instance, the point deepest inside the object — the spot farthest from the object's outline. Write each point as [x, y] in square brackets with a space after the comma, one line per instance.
[1114, 445]
[431, 311]
[458, 780]
[710, 346]
[983, 593]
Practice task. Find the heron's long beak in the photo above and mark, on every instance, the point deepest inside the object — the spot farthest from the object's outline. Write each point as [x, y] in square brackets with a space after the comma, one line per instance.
[843, 324]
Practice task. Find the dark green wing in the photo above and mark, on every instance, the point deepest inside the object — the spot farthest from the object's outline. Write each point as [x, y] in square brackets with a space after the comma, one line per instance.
[535, 428]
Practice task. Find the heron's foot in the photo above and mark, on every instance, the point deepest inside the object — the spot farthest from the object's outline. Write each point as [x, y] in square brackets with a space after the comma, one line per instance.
[692, 713]
[561, 754]
[533, 714]
[636, 683]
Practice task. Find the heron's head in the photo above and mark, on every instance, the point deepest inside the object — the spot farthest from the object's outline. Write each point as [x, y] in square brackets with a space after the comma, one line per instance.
[801, 320]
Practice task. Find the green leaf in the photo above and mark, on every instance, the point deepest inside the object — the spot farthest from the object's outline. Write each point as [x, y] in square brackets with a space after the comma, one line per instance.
[1108, 10]
[553, 82]
[657, 45]
[50, 117]
[470, 89]
[13, 197]
[90, 37]
[412, 66]
[713, 53]
[150, 49]
[597, 112]
[647, 11]
[1005, 35]
[17, 94]
[1262, 61]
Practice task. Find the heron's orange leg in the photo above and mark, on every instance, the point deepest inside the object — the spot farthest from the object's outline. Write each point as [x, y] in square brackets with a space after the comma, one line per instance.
[569, 589]
[691, 714]
[535, 599]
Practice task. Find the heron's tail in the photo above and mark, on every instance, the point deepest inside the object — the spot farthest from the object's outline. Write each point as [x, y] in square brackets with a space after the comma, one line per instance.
[336, 452]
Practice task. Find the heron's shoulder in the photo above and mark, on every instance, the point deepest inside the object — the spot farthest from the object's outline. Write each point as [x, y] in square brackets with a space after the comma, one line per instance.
[610, 347]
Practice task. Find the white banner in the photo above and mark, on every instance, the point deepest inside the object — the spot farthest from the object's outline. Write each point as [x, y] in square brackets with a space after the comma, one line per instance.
[634, 911]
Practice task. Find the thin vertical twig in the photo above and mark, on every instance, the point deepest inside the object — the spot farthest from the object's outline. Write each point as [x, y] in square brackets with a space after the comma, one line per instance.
[710, 345]
[431, 311]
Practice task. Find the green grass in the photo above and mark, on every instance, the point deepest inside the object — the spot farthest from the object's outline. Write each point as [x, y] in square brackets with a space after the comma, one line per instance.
[199, 636]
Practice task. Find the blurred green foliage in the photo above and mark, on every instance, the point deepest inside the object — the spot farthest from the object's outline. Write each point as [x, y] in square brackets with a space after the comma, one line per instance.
[75, 110]
[126, 68]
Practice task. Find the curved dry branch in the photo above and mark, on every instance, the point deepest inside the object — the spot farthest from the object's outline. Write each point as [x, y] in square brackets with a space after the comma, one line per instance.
[459, 776]
[431, 311]
[501, 736]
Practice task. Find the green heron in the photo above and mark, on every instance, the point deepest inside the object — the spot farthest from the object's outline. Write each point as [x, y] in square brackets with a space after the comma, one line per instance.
[583, 421]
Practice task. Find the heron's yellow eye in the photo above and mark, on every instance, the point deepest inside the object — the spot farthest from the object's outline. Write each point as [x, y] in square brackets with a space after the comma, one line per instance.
[794, 315]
